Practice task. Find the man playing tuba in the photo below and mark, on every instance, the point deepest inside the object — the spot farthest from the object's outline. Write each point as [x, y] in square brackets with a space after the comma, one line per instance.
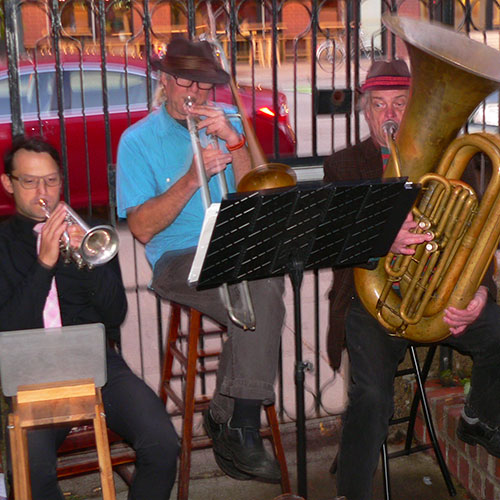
[374, 355]
[158, 191]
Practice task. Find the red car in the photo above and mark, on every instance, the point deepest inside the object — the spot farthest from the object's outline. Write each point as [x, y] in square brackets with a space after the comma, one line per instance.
[86, 146]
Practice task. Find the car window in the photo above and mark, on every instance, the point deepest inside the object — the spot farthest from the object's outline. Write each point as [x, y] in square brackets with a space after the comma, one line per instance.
[4, 97]
[92, 84]
[28, 90]
[487, 112]
[117, 85]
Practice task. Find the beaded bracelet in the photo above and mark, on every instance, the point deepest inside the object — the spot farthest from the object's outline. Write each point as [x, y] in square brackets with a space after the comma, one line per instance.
[239, 145]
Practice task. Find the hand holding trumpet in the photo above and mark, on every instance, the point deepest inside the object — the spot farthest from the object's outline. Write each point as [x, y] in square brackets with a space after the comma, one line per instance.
[52, 232]
[66, 232]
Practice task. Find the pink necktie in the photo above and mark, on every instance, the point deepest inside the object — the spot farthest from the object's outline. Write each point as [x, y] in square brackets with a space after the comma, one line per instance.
[51, 311]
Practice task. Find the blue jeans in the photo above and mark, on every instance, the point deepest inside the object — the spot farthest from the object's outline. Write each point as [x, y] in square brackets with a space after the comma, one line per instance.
[374, 357]
[133, 411]
[249, 359]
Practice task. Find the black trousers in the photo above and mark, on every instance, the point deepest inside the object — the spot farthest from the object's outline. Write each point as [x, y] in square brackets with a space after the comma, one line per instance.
[374, 357]
[135, 412]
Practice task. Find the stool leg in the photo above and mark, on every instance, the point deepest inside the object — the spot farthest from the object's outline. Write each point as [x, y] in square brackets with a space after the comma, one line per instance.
[187, 422]
[103, 453]
[416, 398]
[19, 455]
[173, 334]
[278, 448]
[385, 471]
[430, 426]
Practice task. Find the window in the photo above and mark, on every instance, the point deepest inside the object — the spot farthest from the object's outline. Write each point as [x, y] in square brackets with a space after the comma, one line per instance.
[92, 83]
[28, 90]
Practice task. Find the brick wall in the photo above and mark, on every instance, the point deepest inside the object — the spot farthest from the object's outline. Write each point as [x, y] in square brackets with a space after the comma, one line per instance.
[472, 466]
[35, 24]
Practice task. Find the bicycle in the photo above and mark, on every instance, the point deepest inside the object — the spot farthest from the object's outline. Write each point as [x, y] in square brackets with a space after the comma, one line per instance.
[333, 52]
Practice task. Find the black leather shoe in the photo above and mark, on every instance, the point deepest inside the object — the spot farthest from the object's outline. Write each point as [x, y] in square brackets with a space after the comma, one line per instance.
[213, 429]
[243, 447]
[481, 434]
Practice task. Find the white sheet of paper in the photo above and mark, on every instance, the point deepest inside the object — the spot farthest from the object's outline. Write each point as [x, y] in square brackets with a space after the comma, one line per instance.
[203, 242]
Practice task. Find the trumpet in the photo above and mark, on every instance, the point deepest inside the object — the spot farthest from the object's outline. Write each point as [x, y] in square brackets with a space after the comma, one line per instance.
[99, 244]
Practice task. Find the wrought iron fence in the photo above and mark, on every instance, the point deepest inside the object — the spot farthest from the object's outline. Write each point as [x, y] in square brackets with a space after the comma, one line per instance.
[79, 72]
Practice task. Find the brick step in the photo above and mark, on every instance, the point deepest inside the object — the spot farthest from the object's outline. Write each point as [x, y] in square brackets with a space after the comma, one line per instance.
[476, 470]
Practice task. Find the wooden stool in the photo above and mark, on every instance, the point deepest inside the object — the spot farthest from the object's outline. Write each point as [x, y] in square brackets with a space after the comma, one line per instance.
[188, 349]
[57, 403]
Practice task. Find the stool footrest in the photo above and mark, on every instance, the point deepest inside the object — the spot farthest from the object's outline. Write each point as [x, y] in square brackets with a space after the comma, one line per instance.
[87, 461]
[199, 371]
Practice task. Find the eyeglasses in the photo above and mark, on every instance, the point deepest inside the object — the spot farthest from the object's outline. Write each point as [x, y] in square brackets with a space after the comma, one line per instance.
[182, 82]
[32, 182]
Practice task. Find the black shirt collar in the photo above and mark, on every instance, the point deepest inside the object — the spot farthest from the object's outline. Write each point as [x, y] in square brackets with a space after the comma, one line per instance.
[24, 226]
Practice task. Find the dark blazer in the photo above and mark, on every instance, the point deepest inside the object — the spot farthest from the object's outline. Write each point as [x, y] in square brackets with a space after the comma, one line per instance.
[363, 161]
[85, 296]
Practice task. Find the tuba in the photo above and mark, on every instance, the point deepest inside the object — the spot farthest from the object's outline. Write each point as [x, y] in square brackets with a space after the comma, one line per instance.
[451, 75]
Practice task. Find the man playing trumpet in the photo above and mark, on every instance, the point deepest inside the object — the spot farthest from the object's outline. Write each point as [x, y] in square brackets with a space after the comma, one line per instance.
[38, 289]
[158, 191]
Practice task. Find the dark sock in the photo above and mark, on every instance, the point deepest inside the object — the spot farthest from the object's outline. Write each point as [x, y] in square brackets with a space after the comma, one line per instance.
[246, 413]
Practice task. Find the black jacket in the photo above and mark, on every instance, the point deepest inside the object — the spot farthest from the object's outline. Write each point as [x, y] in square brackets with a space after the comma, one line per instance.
[85, 296]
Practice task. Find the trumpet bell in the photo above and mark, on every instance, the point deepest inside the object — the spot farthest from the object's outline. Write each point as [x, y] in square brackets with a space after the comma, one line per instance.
[100, 244]
[268, 176]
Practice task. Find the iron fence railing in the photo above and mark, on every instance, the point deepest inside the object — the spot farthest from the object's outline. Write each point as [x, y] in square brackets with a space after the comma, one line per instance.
[79, 72]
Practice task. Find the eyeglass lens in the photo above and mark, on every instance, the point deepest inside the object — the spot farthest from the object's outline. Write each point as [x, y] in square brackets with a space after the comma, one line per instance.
[183, 82]
[51, 180]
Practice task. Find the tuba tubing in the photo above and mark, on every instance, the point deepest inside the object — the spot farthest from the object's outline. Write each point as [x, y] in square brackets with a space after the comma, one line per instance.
[451, 76]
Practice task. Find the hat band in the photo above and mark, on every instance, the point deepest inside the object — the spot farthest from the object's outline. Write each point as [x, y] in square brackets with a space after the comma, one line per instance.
[386, 81]
[186, 63]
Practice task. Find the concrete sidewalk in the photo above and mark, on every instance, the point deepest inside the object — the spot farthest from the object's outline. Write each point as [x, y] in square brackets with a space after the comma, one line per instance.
[416, 477]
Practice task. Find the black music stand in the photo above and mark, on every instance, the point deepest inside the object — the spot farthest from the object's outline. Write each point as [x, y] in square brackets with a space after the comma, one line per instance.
[291, 230]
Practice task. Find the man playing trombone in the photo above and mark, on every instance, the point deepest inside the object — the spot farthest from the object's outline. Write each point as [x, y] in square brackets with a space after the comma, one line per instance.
[158, 191]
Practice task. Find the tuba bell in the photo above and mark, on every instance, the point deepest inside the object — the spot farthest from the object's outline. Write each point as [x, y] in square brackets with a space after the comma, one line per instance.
[451, 75]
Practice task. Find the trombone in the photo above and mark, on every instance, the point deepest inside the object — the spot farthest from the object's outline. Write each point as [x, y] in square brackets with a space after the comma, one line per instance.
[245, 317]
[263, 175]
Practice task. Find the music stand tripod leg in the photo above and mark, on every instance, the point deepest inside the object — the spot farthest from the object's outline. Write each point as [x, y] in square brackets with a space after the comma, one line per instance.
[296, 273]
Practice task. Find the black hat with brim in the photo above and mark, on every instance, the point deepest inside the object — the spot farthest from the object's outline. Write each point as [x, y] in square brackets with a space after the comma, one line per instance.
[192, 61]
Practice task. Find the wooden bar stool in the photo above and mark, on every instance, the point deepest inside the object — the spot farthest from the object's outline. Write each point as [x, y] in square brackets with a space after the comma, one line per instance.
[57, 403]
[194, 363]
